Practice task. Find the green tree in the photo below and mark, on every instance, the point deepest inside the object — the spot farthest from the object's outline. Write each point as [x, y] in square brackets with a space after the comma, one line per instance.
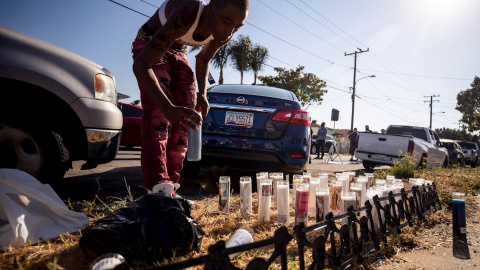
[240, 54]
[456, 134]
[468, 103]
[258, 60]
[308, 88]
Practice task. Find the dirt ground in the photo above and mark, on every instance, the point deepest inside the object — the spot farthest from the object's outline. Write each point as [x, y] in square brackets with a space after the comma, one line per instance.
[439, 249]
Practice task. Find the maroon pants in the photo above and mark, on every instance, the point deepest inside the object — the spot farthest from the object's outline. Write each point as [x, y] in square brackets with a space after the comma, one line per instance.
[164, 145]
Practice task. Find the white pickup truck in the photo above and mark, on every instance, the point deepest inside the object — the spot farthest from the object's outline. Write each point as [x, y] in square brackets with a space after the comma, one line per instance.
[422, 143]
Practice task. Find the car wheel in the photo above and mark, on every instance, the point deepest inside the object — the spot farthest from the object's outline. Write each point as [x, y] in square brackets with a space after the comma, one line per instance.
[40, 152]
[474, 164]
[368, 165]
[445, 163]
[191, 168]
[313, 150]
[423, 163]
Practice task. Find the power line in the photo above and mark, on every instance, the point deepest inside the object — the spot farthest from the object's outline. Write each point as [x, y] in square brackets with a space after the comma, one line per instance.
[129, 8]
[290, 20]
[291, 44]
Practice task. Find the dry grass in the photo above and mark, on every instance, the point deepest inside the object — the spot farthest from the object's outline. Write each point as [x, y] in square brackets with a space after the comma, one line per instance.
[64, 253]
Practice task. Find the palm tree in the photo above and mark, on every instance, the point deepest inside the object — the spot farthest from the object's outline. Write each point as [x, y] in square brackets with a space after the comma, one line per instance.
[220, 59]
[241, 53]
[258, 59]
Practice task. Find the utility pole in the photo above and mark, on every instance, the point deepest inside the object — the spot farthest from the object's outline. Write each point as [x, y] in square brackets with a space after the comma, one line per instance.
[431, 105]
[354, 78]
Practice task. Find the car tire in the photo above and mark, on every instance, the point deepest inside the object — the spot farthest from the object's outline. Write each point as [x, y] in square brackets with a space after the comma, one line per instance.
[38, 151]
[445, 163]
[474, 163]
[423, 162]
[313, 149]
[368, 165]
[190, 168]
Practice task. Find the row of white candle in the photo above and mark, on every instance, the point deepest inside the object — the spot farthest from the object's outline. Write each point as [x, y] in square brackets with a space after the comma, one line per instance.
[317, 198]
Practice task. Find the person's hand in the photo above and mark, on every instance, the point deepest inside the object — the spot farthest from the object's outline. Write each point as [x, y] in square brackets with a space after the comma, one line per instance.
[180, 117]
[202, 103]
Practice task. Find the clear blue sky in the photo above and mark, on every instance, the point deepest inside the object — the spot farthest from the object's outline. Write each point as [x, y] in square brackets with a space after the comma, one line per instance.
[417, 48]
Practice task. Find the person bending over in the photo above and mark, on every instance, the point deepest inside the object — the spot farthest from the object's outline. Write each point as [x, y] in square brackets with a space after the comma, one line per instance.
[167, 82]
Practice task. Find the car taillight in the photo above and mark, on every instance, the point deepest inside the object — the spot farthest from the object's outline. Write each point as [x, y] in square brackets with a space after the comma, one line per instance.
[299, 117]
[472, 154]
[411, 145]
[356, 141]
[296, 156]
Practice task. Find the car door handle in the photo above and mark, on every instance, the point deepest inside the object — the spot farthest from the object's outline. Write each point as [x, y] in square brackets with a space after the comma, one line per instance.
[382, 139]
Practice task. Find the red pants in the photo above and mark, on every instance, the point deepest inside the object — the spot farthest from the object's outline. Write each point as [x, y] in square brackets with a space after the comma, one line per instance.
[163, 145]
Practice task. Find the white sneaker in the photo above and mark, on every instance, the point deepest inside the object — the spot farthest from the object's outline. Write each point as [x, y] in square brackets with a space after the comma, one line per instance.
[166, 189]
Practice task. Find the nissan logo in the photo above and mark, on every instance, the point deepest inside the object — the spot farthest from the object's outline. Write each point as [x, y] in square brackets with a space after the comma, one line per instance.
[241, 100]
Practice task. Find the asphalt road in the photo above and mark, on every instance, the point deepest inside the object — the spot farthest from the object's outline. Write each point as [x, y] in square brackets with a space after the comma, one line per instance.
[113, 178]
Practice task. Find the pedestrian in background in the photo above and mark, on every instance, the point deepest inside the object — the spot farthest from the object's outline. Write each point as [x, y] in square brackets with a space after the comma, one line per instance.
[367, 128]
[352, 137]
[321, 137]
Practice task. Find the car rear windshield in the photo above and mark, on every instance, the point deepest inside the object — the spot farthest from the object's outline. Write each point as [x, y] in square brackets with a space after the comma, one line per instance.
[467, 145]
[264, 91]
[448, 145]
[417, 133]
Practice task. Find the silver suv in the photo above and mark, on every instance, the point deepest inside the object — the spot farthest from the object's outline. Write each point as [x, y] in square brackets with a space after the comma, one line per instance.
[55, 107]
[471, 151]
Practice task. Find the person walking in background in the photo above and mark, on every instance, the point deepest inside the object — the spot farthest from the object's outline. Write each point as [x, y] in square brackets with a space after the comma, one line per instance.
[352, 137]
[321, 137]
[167, 82]
[367, 128]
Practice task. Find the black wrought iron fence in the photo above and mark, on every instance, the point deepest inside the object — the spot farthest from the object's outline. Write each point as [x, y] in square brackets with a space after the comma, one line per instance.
[337, 242]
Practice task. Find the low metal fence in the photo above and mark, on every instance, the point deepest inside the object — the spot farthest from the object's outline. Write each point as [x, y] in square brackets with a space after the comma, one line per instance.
[337, 242]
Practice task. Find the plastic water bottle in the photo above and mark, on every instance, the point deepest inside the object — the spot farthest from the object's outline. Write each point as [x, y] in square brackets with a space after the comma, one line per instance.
[194, 152]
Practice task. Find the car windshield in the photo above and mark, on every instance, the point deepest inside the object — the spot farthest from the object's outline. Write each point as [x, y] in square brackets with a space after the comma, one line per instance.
[466, 145]
[329, 137]
[415, 132]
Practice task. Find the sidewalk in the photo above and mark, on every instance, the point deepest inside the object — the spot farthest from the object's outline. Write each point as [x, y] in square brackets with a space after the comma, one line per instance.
[340, 163]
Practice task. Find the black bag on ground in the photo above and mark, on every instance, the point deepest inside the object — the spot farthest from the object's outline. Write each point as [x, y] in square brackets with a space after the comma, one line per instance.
[150, 228]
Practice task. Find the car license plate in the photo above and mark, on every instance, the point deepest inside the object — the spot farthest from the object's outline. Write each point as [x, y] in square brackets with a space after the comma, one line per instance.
[239, 119]
[381, 157]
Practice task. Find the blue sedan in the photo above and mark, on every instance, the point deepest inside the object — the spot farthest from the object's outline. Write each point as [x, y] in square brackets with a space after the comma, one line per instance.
[254, 128]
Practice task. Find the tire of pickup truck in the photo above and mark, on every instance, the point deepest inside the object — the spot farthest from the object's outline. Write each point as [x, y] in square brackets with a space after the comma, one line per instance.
[423, 162]
[39, 152]
[368, 165]
[445, 163]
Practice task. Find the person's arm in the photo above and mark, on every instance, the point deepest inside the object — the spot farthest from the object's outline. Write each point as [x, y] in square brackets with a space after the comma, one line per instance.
[201, 71]
[178, 23]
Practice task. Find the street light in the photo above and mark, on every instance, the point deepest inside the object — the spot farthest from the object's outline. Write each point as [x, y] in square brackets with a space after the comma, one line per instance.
[353, 96]
[431, 118]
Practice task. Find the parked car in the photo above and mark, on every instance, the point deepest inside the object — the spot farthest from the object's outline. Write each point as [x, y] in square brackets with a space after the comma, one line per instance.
[455, 152]
[255, 128]
[471, 151]
[132, 124]
[421, 143]
[55, 107]
[328, 143]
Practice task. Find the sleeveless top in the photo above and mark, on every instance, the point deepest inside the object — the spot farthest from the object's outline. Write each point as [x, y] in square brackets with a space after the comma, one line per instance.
[186, 39]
